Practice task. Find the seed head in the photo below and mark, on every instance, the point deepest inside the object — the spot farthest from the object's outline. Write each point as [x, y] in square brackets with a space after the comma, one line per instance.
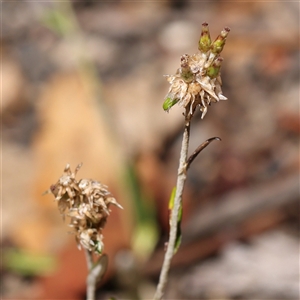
[197, 83]
[86, 202]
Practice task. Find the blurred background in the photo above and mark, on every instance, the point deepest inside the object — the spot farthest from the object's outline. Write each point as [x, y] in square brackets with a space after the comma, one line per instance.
[83, 82]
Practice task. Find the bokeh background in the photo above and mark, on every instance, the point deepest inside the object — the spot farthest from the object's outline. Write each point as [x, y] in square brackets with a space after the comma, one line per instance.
[83, 82]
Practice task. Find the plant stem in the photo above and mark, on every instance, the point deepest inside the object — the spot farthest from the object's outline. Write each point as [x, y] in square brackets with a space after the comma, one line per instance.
[181, 177]
[95, 272]
[90, 282]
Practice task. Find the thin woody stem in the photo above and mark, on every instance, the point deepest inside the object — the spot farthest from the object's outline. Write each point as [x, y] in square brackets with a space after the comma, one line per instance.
[95, 272]
[198, 150]
[181, 177]
[89, 259]
[91, 284]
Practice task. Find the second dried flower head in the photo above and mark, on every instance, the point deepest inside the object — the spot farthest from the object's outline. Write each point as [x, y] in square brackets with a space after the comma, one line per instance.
[197, 82]
[87, 203]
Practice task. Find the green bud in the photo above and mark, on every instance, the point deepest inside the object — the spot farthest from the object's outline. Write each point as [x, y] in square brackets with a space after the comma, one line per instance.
[185, 71]
[187, 76]
[169, 102]
[218, 45]
[214, 69]
[98, 247]
[205, 41]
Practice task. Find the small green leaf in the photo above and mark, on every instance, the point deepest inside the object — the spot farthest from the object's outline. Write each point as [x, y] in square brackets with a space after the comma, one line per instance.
[58, 21]
[179, 218]
[172, 197]
[169, 102]
[144, 238]
[178, 235]
[27, 263]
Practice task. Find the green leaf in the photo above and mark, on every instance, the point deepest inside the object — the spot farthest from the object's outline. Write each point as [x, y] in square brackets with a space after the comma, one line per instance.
[27, 263]
[169, 102]
[144, 238]
[178, 234]
[58, 21]
[145, 232]
[172, 197]
[179, 218]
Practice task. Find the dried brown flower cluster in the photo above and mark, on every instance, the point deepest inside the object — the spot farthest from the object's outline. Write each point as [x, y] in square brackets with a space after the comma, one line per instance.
[198, 82]
[87, 203]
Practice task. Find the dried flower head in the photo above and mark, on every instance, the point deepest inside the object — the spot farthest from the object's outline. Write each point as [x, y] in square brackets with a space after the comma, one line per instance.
[87, 203]
[198, 81]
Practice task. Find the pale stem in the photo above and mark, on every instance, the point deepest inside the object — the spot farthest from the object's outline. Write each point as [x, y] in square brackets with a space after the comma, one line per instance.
[181, 177]
[95, 272]
[90, 282]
